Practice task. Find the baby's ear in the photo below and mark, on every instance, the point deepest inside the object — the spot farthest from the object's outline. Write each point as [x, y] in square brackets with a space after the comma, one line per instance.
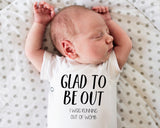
[68, 49]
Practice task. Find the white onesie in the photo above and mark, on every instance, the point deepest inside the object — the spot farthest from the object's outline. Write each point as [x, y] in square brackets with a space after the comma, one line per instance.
[81, 95]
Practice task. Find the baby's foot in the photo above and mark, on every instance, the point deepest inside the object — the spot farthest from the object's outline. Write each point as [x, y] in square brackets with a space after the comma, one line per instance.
[43, 12]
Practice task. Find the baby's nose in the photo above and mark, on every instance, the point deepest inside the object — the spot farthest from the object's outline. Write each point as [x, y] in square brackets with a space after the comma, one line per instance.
[109, 39]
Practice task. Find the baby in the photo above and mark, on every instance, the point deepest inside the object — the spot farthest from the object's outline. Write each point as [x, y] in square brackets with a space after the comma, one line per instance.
[83, 80]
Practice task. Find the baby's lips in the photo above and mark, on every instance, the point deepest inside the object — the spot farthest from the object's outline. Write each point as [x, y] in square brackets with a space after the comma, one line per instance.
[110, 49]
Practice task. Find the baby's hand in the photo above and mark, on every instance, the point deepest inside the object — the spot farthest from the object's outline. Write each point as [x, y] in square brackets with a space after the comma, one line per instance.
[103, 11]
[43, 13]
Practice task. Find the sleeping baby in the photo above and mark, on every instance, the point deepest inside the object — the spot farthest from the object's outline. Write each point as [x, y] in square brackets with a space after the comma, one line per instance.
[83, 79]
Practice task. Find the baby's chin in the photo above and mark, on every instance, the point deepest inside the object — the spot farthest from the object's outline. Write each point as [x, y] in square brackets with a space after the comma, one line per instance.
[102, 60]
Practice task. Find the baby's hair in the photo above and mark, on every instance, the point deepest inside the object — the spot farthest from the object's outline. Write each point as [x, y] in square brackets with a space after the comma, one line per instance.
[63, 27]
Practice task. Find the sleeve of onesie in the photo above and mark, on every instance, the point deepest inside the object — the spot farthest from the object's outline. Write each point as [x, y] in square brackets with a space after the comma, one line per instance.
[48, 66]
[112, 67]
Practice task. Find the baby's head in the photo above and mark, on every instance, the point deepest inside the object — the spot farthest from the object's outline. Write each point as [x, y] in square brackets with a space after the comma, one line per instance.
[81, 34]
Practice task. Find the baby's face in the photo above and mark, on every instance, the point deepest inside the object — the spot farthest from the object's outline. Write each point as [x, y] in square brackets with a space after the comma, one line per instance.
[93, 44]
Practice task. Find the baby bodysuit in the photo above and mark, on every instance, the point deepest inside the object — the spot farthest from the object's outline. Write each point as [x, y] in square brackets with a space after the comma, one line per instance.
[81, 95]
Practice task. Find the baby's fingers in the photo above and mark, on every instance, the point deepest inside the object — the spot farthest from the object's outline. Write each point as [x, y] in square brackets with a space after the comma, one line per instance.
[100, 9]
[49, 8]
[52, 13]
[35, 5]
[95, 9]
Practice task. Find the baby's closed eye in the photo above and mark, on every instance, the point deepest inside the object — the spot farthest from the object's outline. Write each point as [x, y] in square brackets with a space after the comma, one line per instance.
[99, 35]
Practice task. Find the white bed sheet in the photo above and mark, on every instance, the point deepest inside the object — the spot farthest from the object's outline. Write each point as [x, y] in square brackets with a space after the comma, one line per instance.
[23, 96]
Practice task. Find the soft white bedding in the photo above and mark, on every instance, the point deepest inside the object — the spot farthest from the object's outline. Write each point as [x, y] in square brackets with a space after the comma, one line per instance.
[23, 96]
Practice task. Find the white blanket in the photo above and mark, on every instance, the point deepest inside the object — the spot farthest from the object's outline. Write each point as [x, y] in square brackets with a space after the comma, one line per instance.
[23, 96]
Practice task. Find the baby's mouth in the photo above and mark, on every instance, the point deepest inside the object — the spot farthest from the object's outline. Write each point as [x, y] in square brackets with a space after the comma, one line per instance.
[110, 50]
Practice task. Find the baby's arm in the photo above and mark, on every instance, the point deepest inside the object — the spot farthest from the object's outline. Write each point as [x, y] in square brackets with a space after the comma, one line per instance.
[122, 42]
[43, 14]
